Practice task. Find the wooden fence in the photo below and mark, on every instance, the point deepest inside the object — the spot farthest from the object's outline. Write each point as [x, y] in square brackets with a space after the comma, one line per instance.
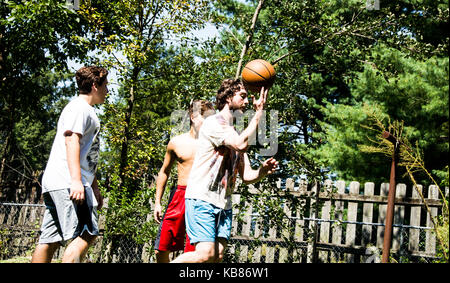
[333, 223]
[343, 224]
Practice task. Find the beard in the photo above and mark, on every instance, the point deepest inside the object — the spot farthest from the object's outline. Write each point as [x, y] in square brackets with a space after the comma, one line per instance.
[238, 108]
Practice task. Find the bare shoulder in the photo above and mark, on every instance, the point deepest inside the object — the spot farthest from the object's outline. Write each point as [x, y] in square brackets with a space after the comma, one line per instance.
[172, 145]
[179, 140]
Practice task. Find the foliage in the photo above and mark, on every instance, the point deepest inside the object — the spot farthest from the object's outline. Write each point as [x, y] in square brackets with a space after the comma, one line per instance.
[4, 239]
[390, 87]
[35, 43]
[128, 215]
[411, 159]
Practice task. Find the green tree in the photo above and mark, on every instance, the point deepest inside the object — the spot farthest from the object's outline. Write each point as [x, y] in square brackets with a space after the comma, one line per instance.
[35, 42]
[131, 35]
[398, 88]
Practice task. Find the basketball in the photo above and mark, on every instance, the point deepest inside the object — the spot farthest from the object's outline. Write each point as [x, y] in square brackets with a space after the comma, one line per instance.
[258, 73]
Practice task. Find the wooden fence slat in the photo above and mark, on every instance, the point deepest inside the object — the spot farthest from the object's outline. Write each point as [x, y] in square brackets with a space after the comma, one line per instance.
[299, 222]
[290, 184]
[236, 199]
[278, 184]
[244, 249]
[369, 189]
[312, 224]
[382, 208]
[430, 238]
[283, 254]
[350, 234]
[414, 220]
[285, 232]
[325, 226]
[338, 215]
[256, 256]
[270, 251]
[366, 237]
[2, 213]
[399, 217]
[298, 232]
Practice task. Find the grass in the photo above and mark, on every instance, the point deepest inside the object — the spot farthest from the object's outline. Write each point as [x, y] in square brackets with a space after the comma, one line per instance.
[20, 259]
[24, 259]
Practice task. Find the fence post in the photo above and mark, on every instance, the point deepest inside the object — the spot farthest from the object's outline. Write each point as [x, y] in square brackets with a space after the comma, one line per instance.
[391, 199]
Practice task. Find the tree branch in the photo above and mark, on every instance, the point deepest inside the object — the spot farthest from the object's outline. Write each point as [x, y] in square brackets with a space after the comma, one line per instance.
[249, 38]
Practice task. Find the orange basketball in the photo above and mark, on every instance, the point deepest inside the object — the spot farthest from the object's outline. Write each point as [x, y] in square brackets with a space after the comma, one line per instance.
[258, 73]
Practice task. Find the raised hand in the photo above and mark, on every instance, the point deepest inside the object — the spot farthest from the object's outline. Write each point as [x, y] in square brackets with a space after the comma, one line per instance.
[259, 104]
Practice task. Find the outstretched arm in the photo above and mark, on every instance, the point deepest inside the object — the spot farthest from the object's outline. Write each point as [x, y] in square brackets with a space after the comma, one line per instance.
[161, 180]
[250, 176]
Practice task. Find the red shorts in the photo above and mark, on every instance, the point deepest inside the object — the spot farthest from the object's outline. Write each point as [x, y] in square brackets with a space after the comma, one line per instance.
[173, 228]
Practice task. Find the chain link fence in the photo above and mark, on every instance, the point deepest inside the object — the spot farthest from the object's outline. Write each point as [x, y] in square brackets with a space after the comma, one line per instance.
[256, 240]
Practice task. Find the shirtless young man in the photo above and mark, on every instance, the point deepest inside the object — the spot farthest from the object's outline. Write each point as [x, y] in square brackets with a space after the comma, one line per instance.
[181, 149]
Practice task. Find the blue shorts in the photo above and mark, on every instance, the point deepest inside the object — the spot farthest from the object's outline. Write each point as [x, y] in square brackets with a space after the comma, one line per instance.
[206, 222]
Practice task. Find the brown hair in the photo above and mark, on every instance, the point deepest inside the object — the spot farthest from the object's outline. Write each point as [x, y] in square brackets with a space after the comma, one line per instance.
[199, 106]
[86, 76]
[227, 89]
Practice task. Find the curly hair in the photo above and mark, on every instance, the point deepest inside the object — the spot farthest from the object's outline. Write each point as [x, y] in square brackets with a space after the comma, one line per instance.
[86, 76]
[227, 89]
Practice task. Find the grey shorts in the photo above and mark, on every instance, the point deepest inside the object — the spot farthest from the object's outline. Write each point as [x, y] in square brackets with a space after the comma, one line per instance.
[65, 220]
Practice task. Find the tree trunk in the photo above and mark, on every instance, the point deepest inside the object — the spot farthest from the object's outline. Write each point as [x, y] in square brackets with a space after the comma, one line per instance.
[249, 38]
[124, 150]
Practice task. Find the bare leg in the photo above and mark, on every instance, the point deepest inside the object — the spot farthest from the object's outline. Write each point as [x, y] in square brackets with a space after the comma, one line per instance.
[162, 256]
[77, 249]
[44, 253]
[204, 252]
[221, 245]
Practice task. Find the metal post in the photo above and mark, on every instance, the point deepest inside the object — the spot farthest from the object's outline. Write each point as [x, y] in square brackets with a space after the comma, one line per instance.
[391, 201]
